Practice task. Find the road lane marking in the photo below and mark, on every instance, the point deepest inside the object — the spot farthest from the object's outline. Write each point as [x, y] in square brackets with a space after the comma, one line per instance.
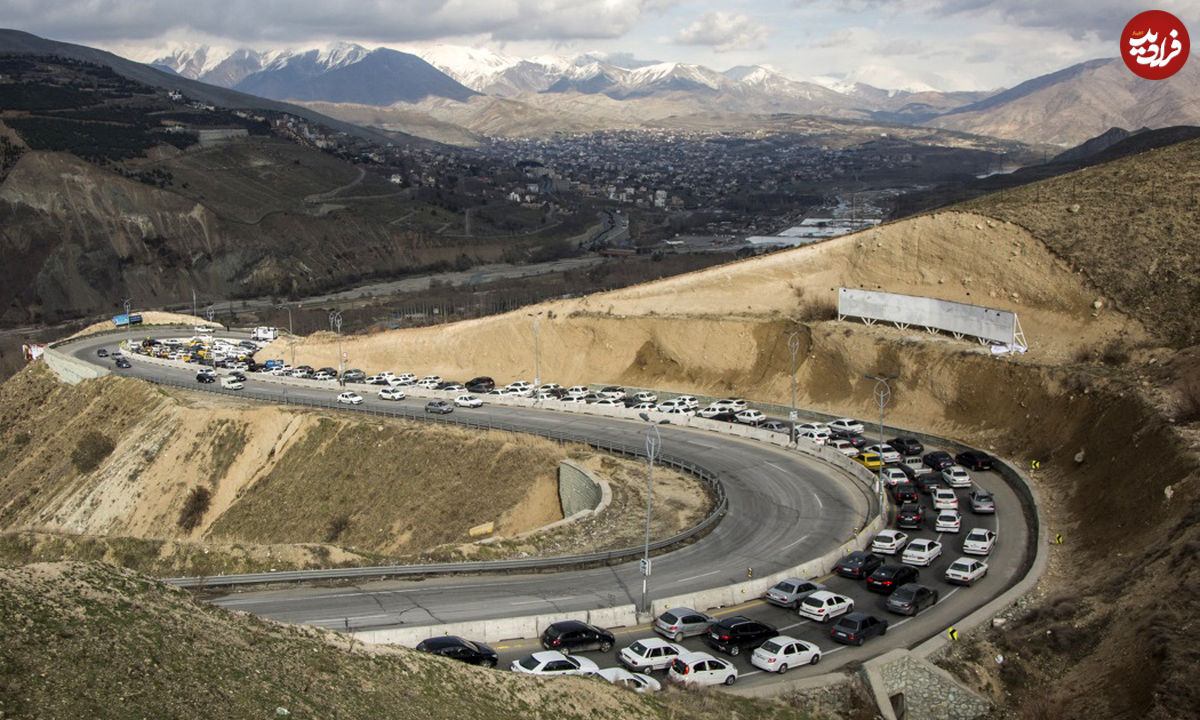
[795, 624]
[547, 600]
[696, 577]
[794, 542]
[735, 608]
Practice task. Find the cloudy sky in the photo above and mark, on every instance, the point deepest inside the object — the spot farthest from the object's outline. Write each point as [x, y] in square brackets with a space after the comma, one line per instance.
[944, 44]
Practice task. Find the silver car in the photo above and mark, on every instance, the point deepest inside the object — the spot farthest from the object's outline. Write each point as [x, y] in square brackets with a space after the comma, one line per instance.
[678, 623]
[788, 593]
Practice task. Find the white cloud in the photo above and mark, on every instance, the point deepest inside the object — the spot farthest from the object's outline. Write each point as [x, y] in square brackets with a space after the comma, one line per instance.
[724, 32]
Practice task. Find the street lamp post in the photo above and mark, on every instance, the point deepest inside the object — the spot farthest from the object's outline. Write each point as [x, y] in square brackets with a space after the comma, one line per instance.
[209, 313]
[128, 303]
[883, 393]
[794, 347]
[291, 333]
[653, 445]
[335, 323]
[537, 362]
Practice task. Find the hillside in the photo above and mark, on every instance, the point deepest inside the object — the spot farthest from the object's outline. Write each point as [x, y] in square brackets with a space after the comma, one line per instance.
[87, 640]
[1111, 412]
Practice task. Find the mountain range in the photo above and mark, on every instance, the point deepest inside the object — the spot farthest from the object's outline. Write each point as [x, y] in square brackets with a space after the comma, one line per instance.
[485, 92]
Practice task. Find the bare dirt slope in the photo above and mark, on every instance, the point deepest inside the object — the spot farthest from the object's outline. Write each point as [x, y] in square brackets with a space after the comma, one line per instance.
[1107, 398]
[80, 640]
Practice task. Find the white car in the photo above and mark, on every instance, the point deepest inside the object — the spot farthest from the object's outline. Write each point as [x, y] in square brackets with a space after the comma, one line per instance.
[350, 398]
[824, 606]
[819, 428]
[609, 402]
[700, 668]
[453, 388]
[552, 662]
[643, 406]
[979, 541]
[649, 654]
[894, 476]
[636, 682]
[429, 382]
[369, 380]
[392, 393]
[577, 391]
[814, 437]
[468, 401]
[396, 382]
[889, 542]
[405, 379]
[845, 447]
[522, 388]
[751, 417]
[710, 411]
[549, 388]
[734, 405]
[667, 405]
[612, 393]
[945, 499]
[956, 476]
[921, 552]
[846, 426]
[645, 396]
[689, 401]
[782, 652]
[886, 452]
[387, 374]
[965, 571]
[948, 521]
[568, 399]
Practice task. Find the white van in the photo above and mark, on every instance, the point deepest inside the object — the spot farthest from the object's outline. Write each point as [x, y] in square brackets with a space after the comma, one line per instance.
[265, 333]
[231, 383]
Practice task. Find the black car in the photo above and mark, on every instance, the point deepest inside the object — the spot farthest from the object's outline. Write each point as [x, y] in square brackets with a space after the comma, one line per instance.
[928, 483]
[854, 628]
[938, 460]
[907, 446]
[327, 371]
[237, 375]
[481, 384]
[204, 377]
[974, 460]
[573, 636]
[889, 577]
[101, 353]
[906, 493]
[910, 516]
[735, 634]
[122, 362]
[457, 648]
[858, 564]
[724, 417]
[911, 599]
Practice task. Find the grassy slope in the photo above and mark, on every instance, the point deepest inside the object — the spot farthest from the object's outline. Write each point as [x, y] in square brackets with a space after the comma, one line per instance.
[1129, 226]
[87, 640]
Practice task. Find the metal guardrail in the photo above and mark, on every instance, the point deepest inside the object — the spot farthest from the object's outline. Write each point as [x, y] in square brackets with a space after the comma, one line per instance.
[708, 477]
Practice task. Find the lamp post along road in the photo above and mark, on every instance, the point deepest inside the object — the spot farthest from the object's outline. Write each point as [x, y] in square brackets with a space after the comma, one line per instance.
[883, 393]
[653, 446]
[794, 347]
[209, 313]
[128, 303]
[335, 323]
[537, 359]
[291, 333]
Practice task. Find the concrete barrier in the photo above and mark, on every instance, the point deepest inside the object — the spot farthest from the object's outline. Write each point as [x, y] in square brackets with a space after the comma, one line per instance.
[70, 370]
[500, 629]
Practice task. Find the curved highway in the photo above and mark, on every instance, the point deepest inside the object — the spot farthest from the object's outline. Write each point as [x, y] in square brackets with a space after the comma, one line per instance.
[784, 509]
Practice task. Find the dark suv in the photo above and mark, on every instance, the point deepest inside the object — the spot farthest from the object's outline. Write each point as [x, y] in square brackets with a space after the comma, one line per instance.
[735, 634]
[910, 516]
[889, 577]
[858, 564]
[938, 460]
[974, 460]
[906, 493]
[573, 635]
[907, 446]
[481, 384]
[854, 628]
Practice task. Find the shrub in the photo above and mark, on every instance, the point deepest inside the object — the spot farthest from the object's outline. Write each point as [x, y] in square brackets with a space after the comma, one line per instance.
[194, 507]
[91, 450]
[335, 528]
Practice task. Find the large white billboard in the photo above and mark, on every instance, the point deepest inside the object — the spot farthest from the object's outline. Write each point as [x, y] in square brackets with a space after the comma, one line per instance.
[959, 319]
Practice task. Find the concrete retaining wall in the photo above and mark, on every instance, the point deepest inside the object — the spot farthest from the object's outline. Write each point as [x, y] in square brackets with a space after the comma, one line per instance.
[578, 491]
[500, 629]
[70, 370]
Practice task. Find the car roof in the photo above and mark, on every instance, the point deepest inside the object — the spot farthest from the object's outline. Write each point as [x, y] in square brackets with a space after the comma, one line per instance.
[569, 625]
[654, 642]
[690, 657]
[784, 639]
[442, 641]
[544, 656]
[821, 595]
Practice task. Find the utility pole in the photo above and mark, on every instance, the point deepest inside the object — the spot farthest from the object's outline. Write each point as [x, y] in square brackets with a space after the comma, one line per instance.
[291, 333]
[653, 446]
[335, 323]
[128, 303]
[212, 357]
[537, 363]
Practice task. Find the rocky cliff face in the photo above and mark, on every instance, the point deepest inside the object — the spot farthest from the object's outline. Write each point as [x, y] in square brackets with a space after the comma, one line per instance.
[76, 238]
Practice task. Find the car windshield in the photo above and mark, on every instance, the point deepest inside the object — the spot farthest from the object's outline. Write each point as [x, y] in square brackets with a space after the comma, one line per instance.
[771, 646]
[813, 602]
[529, 663]
[904, 594]
[638, 649]
[961, 567]
[785, 587]
[668, 618]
